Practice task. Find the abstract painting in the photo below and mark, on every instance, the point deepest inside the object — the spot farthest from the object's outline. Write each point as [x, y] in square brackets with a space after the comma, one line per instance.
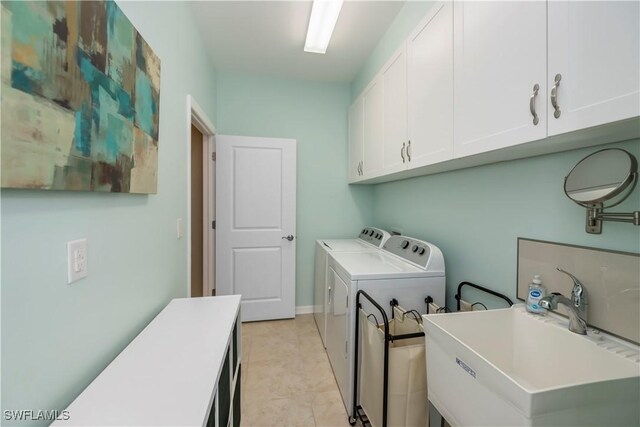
[80, 99]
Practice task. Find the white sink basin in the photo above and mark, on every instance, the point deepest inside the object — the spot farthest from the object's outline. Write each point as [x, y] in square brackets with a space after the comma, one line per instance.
[509, 367]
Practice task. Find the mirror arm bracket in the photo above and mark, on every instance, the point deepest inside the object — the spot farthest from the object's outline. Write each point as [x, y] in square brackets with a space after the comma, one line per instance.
[587, 186]
[595, 216]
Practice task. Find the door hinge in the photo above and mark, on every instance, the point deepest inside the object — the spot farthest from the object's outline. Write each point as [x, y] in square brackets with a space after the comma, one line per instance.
[213, 156]
[213, 225]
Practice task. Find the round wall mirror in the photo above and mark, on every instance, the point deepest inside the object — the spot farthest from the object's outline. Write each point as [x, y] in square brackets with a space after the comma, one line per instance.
[601, 176]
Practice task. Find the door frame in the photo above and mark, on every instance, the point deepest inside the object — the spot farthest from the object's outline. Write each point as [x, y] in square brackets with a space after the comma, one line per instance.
[198, 118]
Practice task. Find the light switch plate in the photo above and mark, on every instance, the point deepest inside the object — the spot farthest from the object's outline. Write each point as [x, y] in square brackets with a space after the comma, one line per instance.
[77, 261]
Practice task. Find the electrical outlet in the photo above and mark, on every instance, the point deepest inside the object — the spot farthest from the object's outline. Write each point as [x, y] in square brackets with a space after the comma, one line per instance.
[465, 306]
[77, 261]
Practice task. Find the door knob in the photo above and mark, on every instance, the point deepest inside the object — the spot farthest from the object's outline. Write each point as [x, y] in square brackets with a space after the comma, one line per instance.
[289, 237]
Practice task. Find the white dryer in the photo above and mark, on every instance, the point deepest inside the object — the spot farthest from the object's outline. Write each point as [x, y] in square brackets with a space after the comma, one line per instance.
[370, 239]
[406, 269]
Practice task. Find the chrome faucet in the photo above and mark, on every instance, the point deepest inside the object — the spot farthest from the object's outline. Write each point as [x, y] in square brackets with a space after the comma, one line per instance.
[577, 305]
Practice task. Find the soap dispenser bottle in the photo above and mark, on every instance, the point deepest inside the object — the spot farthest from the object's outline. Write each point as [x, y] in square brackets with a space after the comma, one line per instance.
[535, 294]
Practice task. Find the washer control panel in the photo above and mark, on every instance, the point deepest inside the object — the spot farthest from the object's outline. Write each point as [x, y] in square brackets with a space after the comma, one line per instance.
[375, 236]
[413, 250]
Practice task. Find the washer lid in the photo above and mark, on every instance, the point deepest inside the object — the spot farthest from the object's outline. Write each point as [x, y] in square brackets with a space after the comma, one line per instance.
[378, 265]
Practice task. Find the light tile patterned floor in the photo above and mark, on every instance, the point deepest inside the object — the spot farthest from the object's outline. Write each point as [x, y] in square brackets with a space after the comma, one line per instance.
[287, 379]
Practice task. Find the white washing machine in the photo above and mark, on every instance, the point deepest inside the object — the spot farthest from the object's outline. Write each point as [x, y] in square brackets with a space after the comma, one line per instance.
[370, 239]
[406, 269]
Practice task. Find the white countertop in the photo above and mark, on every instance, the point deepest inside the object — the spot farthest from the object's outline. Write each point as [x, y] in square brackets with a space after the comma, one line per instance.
[167, 375]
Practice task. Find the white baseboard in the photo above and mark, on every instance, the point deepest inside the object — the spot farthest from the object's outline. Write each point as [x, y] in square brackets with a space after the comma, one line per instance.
[304, 309]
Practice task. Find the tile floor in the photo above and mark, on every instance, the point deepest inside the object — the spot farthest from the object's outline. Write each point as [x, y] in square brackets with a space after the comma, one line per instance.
[287, 379]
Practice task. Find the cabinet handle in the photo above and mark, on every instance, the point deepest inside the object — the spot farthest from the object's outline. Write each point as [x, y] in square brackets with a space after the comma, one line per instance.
[329, 296]
[409, 151]
[554, 96]
[402, 152]
[360, 167]
[532, 103]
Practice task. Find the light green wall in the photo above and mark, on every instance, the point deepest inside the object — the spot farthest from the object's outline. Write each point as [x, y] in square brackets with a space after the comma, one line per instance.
[408, 17]
[315, 114]
[476, 215]
[56, 337]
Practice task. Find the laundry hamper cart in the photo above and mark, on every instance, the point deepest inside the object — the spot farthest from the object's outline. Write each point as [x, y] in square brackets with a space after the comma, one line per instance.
[393, 378]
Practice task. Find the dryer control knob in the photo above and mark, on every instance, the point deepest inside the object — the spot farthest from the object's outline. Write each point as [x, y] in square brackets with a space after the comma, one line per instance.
[405, 244]
[371, 232]
[415, 248]
[422, 251]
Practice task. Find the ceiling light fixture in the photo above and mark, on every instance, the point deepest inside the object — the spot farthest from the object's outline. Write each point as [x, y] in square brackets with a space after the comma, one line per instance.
[324, 15]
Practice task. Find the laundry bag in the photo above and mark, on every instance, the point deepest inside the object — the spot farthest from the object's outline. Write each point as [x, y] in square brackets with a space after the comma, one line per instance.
[407, 397]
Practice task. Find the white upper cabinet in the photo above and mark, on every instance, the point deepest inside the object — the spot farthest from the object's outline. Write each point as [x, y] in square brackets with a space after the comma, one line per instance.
[475, 77]
[373, 98]
[430, 75]
[394, 77]
[356, 140]
[500, 55]
[594, 50]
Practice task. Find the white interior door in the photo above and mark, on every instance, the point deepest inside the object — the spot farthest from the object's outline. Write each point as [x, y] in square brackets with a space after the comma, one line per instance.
[256, 212]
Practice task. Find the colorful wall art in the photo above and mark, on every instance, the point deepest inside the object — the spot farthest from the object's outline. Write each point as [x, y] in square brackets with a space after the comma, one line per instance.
[80, 99]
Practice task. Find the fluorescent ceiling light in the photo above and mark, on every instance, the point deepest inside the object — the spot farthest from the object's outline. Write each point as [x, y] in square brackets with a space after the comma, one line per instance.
[324, 15]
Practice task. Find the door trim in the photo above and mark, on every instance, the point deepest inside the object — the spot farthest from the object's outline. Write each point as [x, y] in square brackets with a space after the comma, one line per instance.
[198, 118]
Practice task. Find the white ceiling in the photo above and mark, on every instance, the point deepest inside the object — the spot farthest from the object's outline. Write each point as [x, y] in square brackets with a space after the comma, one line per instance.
[268, 37]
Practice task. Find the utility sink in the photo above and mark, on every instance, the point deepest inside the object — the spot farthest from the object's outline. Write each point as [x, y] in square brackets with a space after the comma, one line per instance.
[511, 367]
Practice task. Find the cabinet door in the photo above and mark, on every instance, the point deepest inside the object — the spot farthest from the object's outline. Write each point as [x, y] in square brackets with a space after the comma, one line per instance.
[430, 49]
[595, 48]
[356, 139]
[337, 325]
[320, 294]
[394, 77]
[500, 53]
[373, 128]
